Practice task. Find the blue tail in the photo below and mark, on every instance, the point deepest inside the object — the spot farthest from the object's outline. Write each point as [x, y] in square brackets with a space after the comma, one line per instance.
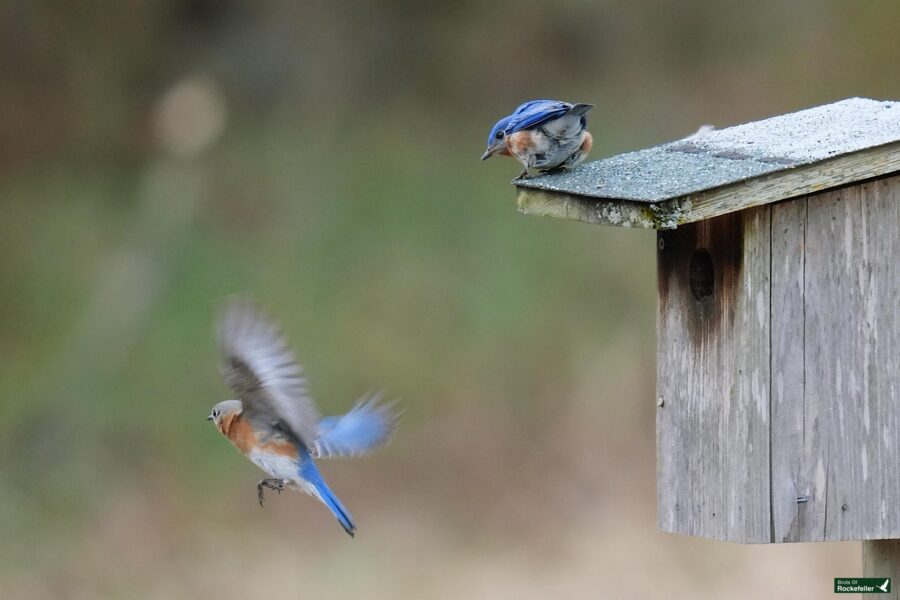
[310, 473]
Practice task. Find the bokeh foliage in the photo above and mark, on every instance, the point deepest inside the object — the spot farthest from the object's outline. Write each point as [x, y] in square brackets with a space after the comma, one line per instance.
[342, 188]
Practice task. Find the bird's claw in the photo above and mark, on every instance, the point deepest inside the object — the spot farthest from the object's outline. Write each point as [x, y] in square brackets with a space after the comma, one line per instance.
[272, 484]
[522, 175]
[554, 170]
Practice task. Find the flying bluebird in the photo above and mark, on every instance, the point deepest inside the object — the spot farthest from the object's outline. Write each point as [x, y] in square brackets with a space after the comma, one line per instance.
[542, 135]
[275, 422]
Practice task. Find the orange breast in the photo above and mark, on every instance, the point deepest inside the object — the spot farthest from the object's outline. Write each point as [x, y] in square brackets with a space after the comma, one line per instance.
[587, 143]
[244, 437]
[239, 431]
[519, 143]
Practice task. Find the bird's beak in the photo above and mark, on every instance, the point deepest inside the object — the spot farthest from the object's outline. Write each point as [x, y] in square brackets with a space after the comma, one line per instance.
[492, 150]
[210, 418]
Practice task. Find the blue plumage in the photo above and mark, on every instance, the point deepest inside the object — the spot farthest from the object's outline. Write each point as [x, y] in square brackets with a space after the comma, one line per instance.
[275, 423]
[309, 473]
[498, 131]
[542, 135]
[366, 427]
[534, 112]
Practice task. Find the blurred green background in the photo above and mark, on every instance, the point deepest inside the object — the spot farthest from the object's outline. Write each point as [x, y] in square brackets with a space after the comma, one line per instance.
[157, 156]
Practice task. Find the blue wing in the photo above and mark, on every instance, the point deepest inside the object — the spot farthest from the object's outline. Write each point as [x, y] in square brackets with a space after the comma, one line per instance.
[534, 112]
[369, 425]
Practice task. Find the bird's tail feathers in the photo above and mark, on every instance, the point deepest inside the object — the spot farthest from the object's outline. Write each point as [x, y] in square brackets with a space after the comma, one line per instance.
[310, 474]
[334, 505]
[581, 109]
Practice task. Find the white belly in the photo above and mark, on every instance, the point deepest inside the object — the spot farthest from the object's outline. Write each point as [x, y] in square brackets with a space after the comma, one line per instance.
[276, 465]
[282, 467]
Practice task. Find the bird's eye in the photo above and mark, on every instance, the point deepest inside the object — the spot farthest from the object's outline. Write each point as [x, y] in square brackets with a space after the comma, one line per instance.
[499, 135]
[215, 413]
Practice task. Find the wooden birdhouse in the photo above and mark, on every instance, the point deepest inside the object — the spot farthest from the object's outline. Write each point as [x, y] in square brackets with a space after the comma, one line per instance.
[778, 365]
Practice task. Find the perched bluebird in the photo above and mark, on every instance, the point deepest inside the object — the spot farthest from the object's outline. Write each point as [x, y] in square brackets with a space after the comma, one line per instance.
[274, 421]
[542, 135]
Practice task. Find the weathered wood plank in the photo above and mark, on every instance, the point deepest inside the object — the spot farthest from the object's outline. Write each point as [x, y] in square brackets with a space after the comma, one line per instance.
[713, 378]
[802, 324]
[881, 558]
[794, 503]
[852, 358]
[840, 171]
[587, 210]
[670, 213]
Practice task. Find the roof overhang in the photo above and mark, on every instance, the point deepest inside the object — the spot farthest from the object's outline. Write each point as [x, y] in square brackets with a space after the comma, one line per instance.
[721, 171]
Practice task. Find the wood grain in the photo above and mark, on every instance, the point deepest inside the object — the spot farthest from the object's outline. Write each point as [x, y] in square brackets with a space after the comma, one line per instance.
[781, 412]
[713, 375]
[840, 171]
[622, 213]
[852, 360]
[758, 191]
[792, 508]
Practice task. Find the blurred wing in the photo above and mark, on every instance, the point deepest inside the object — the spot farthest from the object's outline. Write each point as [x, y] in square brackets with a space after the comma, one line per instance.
[262, 371]
[369, 425]
[534, 112]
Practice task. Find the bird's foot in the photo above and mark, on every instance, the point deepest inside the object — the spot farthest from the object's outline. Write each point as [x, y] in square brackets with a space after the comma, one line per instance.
[522, 175]
[555, 170]
[272, 484]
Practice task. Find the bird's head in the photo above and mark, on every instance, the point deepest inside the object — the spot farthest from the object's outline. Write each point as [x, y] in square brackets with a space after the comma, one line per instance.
[496, 142]
[223, 411]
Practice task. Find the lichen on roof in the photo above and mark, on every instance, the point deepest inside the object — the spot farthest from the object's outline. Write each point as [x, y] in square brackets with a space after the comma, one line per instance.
[683, 171]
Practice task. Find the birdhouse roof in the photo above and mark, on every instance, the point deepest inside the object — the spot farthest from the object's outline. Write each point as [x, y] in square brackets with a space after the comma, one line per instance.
[719, 171]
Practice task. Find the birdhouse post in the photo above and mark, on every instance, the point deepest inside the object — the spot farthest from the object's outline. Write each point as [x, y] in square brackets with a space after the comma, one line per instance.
[778, 324]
